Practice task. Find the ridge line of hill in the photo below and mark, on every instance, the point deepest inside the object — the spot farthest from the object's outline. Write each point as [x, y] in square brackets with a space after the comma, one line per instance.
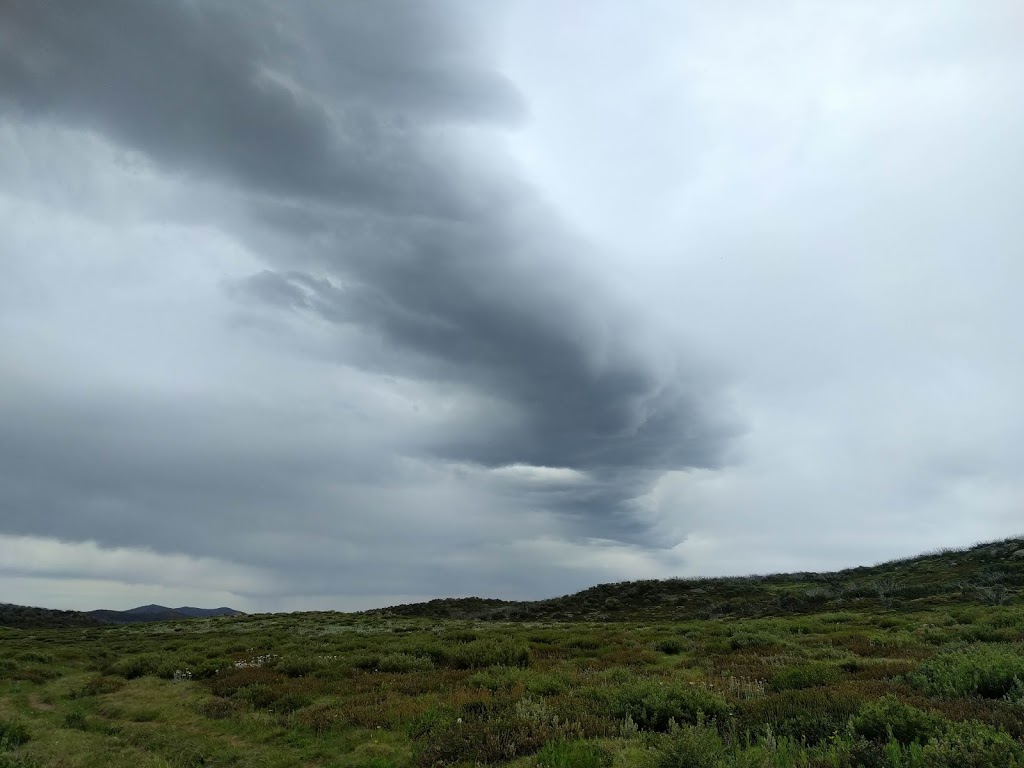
[989, 573]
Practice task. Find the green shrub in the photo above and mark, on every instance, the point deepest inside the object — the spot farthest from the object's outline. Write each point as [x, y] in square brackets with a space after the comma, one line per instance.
[488, 737]
[480, 654]
[988, 671]
[811, 714]
[76, 720]
[12, 734]
[35, 657]
[290, 701]
[318, 718]
[973, 745]
[694, 746]
[891, 718]
[230, 681]
[545, 685]
[671, 646]
[571, 754]
[297, 666]
[754, 641]
[805, 676]
[654, 705]
[99, 685]
[140, 665]
[221, 709]
[404, 662]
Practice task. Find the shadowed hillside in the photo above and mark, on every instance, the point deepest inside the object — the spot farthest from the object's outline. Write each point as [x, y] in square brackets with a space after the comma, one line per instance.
[24, 617]
[160, 613]
[989, 574]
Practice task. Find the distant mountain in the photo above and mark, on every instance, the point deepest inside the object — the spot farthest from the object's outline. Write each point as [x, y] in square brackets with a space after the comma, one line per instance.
[988, 574]
[205, 613]
[149, 609]
[160, 613]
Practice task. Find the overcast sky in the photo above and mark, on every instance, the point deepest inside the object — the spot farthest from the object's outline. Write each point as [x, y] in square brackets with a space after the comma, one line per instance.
[332, 304]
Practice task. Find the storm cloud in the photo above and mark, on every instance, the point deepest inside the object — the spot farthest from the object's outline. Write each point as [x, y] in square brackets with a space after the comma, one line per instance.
[384, 298]
[334, 131]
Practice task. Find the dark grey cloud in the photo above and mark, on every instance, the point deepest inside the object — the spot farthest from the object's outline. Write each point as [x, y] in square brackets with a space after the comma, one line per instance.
[310, 99]
[339, 124]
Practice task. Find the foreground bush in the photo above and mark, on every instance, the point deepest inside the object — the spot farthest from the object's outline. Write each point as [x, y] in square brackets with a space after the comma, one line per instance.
[571, 754]
[480, 654]
[694, 746]
[12, 734]
[655, 705]
[973, 745]
[805, 676]
[988, 671]
[889, 718]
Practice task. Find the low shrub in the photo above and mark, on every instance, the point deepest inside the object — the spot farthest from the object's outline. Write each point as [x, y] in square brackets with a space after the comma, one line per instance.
[755, 641]
[318, 718]
[12, 734]
[655, 705]
[231, 681]
[891, 718]
[404, 662]
[693, 746]
[572, 754]
[489, 735]
[99, 685]
[988, 671]
[480, 654]
[221, 709]
[973, 745]
[670, 646]
[811, 714]
[140, 665]
[805, 676]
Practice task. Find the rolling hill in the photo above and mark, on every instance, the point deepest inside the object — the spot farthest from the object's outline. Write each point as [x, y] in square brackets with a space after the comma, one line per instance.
[25, 617]
[990, 574]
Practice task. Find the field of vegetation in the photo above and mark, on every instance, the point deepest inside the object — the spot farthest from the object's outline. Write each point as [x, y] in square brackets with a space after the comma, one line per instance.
[914, 663]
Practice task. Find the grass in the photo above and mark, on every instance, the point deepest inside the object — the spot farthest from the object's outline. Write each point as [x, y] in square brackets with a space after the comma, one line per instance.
[894, 676]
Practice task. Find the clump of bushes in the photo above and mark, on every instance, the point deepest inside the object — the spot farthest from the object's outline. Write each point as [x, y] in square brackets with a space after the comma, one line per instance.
[488, 733]
[654, 705]
[139, 665]
[988, 671]
[670, 646]
[98, 686]
[12, 734]
[694, 746]
[805, 676]
[973, 745]
[483, 653]
[221, 709]
[890, 718]
[755, 641]
[572, 754]
[404, 662]
[807, 715]
[318, 718]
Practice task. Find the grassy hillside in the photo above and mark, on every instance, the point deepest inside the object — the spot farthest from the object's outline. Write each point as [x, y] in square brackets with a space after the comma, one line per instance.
[160, 613]
[24, 617]
[987, 574]
[927, 674]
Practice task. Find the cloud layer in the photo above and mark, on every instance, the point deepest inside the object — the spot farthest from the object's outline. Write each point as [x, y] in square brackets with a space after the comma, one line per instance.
[408, 299]
[336, 153]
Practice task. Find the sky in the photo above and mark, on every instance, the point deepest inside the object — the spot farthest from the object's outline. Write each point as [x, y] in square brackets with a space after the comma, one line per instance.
[335, 305]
